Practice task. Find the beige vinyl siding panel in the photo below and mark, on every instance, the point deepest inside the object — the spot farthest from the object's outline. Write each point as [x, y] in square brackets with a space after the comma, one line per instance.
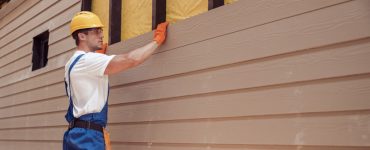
[290, 99]
[38, 94]
[18, 53]
[17, 11]
[118, 130]
[24, 20]
[155, 146]
[287, 130]
[269, 71]
[60, 47]
[59, 33]
[61, 19]
[26, 145]
[35, 121]
[290, 130]
[9, 7]
[38, 81]
[38, 107]
[250, 75]
[39, 24]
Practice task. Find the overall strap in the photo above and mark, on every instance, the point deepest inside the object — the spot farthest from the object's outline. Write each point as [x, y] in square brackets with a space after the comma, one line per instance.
[69, 116]
[69, 74]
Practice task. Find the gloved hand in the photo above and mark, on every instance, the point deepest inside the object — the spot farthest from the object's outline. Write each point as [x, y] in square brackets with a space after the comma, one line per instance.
[103, 49]
[160, 33]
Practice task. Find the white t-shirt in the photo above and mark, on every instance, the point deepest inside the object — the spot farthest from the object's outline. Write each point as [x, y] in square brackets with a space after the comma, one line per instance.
[88, 83]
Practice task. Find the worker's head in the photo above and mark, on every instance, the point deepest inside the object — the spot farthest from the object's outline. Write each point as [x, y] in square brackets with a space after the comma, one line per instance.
[87, 29]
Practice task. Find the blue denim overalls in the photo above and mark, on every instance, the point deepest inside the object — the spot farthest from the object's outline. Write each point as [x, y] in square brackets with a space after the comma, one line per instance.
[82, 138]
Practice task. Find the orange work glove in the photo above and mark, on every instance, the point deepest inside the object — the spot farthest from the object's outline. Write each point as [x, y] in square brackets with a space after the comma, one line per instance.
[160, 33]
[103, 49]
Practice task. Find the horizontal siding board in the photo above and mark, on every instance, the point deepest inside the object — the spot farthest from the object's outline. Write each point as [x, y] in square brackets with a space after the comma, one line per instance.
[34, 121]
[251, 43]
[315, 130]
[14, 56]
[26, 5]
[16, 65]
[15, 77]
[38, 107]
[296, 130]
[36, 82]
[314, 97]
[325, 63]
[275, 131]
[336, 95]
[215, 146]
[24, 18]
[47, 145]
[59, 33]
[55, 90]
[40, 19]
[329, 96]
[35, 134]
[26, 145]
[49, 24]
[61, 46]
[9, 7]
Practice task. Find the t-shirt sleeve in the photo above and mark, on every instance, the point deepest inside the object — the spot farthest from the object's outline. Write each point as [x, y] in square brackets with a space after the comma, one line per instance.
[96, 63]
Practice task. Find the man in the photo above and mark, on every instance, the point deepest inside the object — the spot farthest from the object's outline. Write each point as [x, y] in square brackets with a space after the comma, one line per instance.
[86, 78]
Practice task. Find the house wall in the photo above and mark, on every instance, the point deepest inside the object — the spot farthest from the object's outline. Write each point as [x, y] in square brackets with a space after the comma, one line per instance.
[290, 74]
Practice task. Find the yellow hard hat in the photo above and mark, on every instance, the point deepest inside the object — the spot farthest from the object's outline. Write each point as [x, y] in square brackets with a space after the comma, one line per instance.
[84, 20]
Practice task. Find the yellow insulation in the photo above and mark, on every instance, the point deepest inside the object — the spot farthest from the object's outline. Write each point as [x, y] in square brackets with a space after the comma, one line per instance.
[182, 9]
[230, 1]
[136, 18]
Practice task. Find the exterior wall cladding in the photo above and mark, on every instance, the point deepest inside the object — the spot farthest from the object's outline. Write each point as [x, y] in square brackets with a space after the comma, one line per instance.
[255, 74]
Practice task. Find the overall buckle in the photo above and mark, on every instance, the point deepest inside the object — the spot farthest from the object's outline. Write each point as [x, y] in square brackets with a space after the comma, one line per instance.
[71, 124]
[88, 125]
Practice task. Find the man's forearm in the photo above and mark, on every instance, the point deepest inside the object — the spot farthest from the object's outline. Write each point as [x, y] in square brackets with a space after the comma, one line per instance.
[141, 54]
[131, 59]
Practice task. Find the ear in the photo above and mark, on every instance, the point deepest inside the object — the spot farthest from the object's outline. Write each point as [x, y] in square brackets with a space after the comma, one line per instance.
[82, 36]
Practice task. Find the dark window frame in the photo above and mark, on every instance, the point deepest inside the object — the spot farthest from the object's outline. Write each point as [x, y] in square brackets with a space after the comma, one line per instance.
[212, 4]
[40, 50]
[115, 21]
[86, 5]
[158, 12]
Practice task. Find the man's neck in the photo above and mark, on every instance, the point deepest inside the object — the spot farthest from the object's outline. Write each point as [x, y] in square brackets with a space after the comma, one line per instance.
[84, 48]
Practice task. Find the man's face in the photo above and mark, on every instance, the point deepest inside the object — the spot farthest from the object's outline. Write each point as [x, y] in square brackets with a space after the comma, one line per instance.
[94, 38]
